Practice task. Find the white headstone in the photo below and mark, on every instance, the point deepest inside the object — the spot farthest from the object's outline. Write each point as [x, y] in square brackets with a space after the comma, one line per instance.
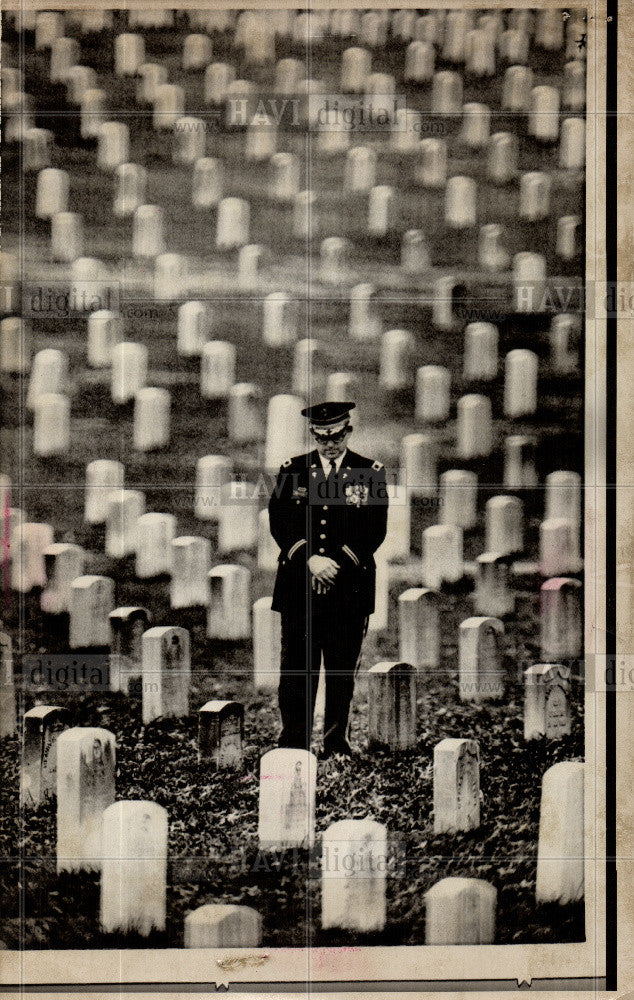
[480, 53]
[124, 508]
[549, 29]
[305, 216]
[560, 854]
[229, 602]
[217, 369]
[529, 279]
[360, 169]
[308, 365]
[286, 813]
[51, 195]
[397, 351]
[442, 555]
[207, 184]
[93, 112]
[433, 384]
[514, 47]
[460, 911]
[196, 51]
[534, 195]
[334, 254]
[261, 138]
[480, 352]
[147, 235]
[431, 169]
[79, 79]
[504, 525]
[288, 73]
[572, 145]
[51, 425]
[267, 645]
[218, 77]
[520, 383]
[356, 64]
[233, 223]
[457, 25]
[491, 595]
[15, 345]
[67, 236]
[381, 210]
[285, 176]
[129, 54]
[456, 785]
[150, 76]
[519, 462]
[280, 320]
[85, 788]
[543, 122]
[564, 329]
[364, 323]
[171, 277]
[189, 140]
[285, 430]
[28, 541]
[474, 427]
[419, 635]
[244, 416]
[49, 25]
[460, 203]
[446, 94]
[127, 625]
[191, 562]
[134, 868]
[64, 54]
[38, 767]
[419, 62]
[63, 563]
[481, 675]
[567, 245]
[151, 419]
[212, 471]
[168, 107]
[476, 125]
[105, 331]
[353, 875]
[223, 925]
[131, 181]
[491, 255]
[154, 536]
[220, 735]
[91, 601]
[574, 86]
[88, 282]
[166, 672]
[102, 476]
[459, 498]
[546, 705]
[392, 706]
[238, 517]
[268, 549]
[418, 465]
[563, 495]
[559, 546]
[502, 157]
[517, 88]
[414, 252]
[114, 145]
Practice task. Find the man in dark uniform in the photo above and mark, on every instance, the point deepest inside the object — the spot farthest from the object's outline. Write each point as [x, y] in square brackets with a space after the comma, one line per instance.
[328, 514]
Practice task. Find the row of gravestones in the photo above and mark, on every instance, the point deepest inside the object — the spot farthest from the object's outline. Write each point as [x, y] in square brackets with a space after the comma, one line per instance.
[548, 29]
[158, 659]
[127, 841]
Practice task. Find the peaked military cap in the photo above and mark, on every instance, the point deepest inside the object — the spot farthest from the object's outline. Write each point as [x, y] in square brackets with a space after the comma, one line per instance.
[326, 415]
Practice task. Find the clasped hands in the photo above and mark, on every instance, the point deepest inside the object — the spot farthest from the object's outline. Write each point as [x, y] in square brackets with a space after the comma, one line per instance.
[324, 573]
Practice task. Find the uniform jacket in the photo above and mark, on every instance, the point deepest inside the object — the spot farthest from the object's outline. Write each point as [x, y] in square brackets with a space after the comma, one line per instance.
[348, 524]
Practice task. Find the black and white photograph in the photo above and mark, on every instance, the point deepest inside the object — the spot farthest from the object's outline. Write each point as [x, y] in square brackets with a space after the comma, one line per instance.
[301, 545]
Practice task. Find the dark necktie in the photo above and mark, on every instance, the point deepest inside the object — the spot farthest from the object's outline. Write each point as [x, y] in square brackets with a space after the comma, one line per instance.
[330, 481]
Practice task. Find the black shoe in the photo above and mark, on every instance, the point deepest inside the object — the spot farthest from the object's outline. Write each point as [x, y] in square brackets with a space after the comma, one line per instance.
[339, 748]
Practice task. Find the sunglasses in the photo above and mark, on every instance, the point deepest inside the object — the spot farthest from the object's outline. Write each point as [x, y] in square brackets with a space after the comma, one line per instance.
[331, 438]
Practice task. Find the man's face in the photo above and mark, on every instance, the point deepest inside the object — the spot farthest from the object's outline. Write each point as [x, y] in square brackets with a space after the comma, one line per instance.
[331, 445]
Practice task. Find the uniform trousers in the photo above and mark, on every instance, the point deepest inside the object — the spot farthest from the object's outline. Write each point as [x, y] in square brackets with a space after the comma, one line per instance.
[305, 638]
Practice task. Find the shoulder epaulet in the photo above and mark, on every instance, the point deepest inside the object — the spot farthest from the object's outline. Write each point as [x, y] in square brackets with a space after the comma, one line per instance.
[377, 466]
[286, 464]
